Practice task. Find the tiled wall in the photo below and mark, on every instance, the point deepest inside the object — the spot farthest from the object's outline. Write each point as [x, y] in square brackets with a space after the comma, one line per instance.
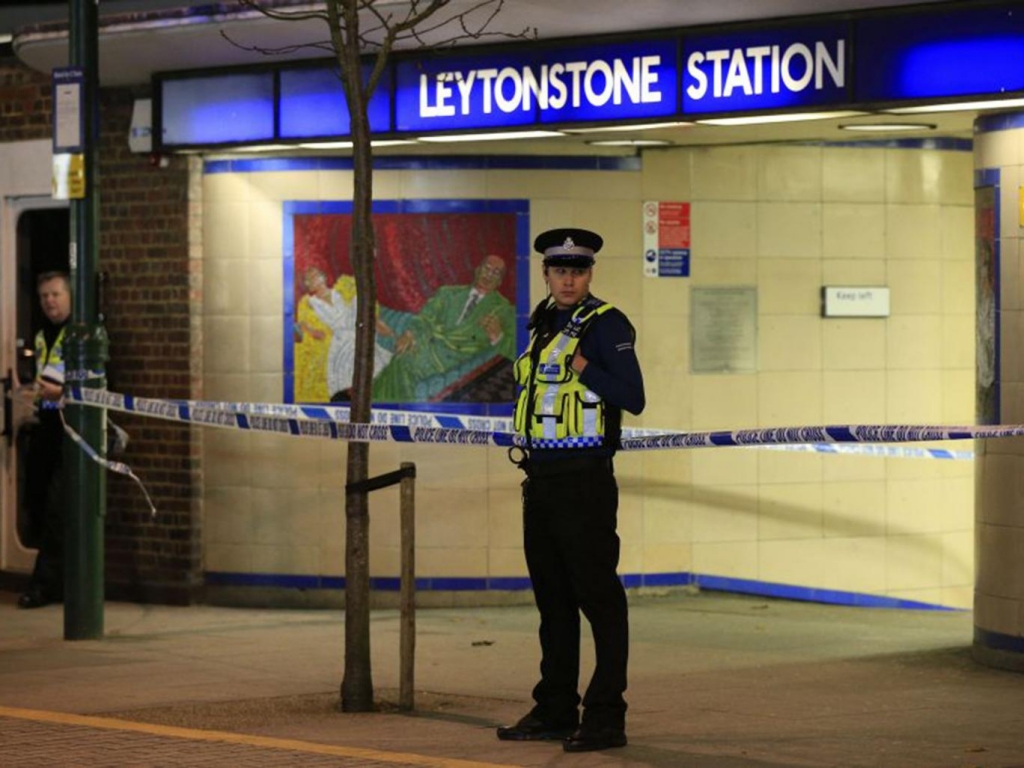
[999, 599]
[786, 219]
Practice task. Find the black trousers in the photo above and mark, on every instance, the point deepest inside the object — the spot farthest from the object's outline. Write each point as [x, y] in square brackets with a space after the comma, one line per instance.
[46, 502]
[572, 552]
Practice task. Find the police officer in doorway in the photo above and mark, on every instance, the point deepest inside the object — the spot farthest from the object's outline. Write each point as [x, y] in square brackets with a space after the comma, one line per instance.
[577, 375]
[44, 465]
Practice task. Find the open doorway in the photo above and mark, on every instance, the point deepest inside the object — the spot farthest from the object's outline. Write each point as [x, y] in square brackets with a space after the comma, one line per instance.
[40, 244]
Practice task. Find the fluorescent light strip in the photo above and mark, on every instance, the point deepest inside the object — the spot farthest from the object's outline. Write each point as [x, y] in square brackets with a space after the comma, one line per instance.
[492, 136]
[886, 127]
[964, 105]
[778, 118]
[630, 143]
[641, 127]
[348, 144]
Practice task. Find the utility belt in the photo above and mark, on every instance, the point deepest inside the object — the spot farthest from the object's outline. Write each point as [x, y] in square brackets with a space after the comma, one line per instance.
[566, 466]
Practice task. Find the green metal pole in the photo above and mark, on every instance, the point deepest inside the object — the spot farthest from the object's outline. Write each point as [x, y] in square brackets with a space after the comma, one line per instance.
[85, 346]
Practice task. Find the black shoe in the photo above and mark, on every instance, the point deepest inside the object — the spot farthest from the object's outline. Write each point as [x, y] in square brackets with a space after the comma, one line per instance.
[532, 729]
[33, 597]
[589, 739]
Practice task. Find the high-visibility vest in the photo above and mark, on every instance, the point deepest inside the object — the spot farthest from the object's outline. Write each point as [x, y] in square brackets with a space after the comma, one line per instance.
[553, 408]
[50, 362]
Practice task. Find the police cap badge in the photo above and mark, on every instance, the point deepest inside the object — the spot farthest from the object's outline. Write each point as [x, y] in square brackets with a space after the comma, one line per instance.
[568, 247]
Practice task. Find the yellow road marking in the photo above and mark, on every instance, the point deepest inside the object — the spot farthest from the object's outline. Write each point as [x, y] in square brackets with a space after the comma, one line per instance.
[194, 734]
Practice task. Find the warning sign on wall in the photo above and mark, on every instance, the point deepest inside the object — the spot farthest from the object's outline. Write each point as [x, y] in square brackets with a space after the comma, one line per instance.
[666, 239]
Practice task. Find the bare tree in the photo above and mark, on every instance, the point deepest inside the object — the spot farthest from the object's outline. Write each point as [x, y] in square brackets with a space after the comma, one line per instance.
[368, 31]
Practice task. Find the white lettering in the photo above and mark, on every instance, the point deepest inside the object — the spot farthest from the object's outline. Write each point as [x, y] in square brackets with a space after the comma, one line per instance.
[508, 104]
[738, 76]
[836, 67]
[575, 68]
[758, 54]
[487, 75]
[649, 79]
[718, 57]
[561, 93]
[699, 88]
[465, 85]
[793, 83]
[593, 97]
[630, 81]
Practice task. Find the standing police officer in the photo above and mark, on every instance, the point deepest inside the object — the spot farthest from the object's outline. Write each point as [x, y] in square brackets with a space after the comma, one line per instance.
[577, 375]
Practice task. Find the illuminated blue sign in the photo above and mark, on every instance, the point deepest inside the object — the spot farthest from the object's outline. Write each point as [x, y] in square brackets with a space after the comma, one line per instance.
[218, 109]
[961, 52]
[312, 103]
[614, 82]
[773, 69]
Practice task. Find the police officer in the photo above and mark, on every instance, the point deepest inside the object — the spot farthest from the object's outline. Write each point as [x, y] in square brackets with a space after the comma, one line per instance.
[577, 375]
[44, 475]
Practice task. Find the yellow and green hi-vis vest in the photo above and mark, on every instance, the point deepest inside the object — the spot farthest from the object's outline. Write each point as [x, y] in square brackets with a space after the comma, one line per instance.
[553, 409]
[50, 362]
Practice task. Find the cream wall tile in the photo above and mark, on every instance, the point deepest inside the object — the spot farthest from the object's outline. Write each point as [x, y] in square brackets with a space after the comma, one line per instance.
[228, 558]
[914, 507]
[913, 231]
[266, 388]
[789, 343]
[1009, 199]
[789, 230]
[225, 225]
[728, 272]
[549, 213]
[958, 232]
[958, 558]
[794, 562]
[1000, 489]
[666, 345]
[997, 148]
[440, 562]
[915, 287]
[853, 344]
[855, 509]
[839, 469]
[267, 345]
[668, 558]
[665, 298]
[506, 562]
[667, 467]
[853, 272]
[957, 287]
[418, 183]
[959, 598]
[385, 519]
[853, 230]
[789, 173]
[668, 515]
[852, 174]
[789, 287]
[724, 466]
[789, 399]
[668, 399]
[1010, 294]
[340, 185]
[853, 564]
[274, 558]
[725, 173]
[736, 559]
[282, 461]
[287, 517]
[620, 281]
[957, 341]
[854, 397]
[385, 562]
[446, 467]
[505, 518]
[226, 459]
[914, 342]
[449, 519]
[502, 473]
[265, 236]
[790, 511]
[725, 513]
[913, 397]
[724, 230]
[788, 466]
[957, 178]
[724, 402]
[266, 288]
[913, 562]
[227, 516]
[283, 185]
[232, 387]
[225, 187]
[998, 573]
[226, 344]
[666, 175]
[958, 406]
[913, 177]
[605, 185]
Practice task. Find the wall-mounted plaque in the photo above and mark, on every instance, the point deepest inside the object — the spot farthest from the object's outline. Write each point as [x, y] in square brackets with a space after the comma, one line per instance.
[723, 330]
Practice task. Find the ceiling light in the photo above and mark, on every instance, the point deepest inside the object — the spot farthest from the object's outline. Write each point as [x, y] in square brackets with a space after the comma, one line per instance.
[964, 105]
[889, 127]
[493, 136]
[640, 127]
[348, 144]
[777, 118]
[260, 148]
[630, 143]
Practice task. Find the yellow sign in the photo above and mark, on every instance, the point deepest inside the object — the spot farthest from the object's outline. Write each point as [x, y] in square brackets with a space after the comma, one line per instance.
[68, 179]
[76, 177]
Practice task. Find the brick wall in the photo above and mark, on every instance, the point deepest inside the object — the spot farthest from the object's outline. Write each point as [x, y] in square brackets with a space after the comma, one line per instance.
[144, 248]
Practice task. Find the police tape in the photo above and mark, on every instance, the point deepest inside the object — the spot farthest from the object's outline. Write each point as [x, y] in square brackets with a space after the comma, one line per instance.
[443, 429]
[865, 449]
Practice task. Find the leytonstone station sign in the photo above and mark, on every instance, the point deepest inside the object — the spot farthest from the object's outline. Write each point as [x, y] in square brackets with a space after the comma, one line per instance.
[971, 50]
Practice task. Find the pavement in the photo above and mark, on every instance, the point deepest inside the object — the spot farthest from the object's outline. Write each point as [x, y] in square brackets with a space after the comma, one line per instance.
[716, 681]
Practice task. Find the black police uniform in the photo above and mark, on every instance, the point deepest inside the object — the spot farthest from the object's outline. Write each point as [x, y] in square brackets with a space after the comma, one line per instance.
[570, 505]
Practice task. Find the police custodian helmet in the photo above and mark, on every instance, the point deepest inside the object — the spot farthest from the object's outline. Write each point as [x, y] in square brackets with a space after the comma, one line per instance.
[568, 247]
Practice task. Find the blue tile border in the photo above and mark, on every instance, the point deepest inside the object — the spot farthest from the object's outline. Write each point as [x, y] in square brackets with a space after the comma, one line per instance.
[1004, 121]
[939, 142]
[630, 581]
[431, 163]
[997, 641]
